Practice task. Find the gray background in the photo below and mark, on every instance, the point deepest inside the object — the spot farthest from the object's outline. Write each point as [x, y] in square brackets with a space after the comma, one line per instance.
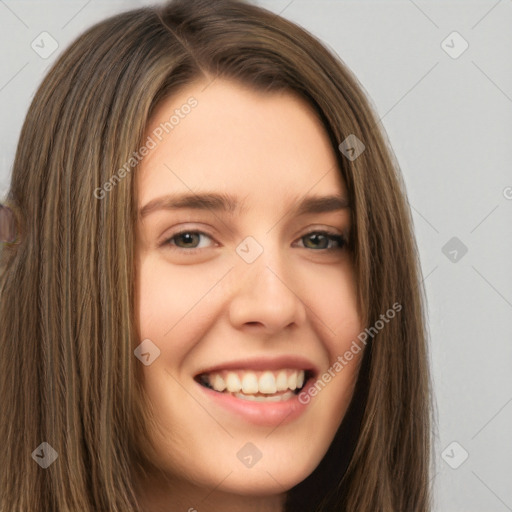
[449, 122]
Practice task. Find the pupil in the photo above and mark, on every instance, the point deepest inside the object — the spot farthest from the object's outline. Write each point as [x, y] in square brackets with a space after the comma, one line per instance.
[315, 237]
[187, 237]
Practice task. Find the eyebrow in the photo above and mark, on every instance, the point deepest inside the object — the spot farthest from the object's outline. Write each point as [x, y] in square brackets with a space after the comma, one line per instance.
[227, 203]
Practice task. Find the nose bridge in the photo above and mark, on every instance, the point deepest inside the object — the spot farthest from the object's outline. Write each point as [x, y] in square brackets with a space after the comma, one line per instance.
[265, 287]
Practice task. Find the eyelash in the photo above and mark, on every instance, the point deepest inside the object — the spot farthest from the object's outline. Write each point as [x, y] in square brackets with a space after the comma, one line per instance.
[331, 236]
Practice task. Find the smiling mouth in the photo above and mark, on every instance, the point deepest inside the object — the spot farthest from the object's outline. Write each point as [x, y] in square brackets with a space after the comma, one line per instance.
[258, 386]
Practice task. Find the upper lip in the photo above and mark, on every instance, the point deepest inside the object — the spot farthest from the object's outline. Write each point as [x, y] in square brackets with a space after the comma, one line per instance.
[264, 363]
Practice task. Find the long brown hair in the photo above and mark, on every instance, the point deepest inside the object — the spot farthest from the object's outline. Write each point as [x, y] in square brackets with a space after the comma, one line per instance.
[68, 375]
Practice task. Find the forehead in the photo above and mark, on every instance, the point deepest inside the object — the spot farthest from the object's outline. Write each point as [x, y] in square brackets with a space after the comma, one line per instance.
[237, 140]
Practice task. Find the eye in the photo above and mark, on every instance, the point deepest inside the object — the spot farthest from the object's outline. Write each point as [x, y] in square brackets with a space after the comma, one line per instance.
[322, 238]
[188, 237]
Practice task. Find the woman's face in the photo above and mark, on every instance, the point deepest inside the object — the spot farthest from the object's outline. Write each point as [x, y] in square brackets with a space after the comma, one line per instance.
[249, 294]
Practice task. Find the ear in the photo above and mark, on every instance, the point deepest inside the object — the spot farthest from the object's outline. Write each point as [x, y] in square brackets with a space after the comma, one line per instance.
[7, 225]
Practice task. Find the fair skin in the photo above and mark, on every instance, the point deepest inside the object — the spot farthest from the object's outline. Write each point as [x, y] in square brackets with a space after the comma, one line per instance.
[206, 307]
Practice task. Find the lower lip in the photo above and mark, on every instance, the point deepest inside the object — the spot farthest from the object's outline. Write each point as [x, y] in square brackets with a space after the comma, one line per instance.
[260, 413]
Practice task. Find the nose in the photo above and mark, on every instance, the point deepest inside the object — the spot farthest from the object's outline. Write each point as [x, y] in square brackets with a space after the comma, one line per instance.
[266, 294]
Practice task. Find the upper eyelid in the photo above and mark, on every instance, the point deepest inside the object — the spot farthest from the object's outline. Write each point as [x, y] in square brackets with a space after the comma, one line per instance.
[342, 231]
[331, 231]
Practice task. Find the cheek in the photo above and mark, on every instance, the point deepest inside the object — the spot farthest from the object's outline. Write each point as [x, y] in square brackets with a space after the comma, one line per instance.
[333, 299]
[174, 305]
[165, 295]
[332, 296]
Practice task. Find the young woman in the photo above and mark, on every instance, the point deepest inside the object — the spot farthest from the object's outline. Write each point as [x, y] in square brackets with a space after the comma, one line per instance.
[213, 301]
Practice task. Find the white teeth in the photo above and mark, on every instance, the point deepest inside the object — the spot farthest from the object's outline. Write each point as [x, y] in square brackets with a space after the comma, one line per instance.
[292, 380]
[267, 383]
[233, 383]
[218, 383]
[252, 383]
[282, 381]
[279, 398]
[249, 383]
